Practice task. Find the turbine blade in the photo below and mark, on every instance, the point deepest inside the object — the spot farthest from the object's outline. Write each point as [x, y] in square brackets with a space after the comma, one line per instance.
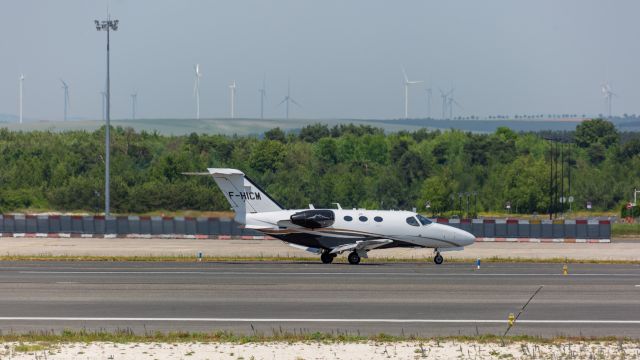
[404, 73]
[295, 102]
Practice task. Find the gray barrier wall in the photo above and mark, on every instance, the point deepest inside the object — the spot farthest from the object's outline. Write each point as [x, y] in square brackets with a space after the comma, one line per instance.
[158, 225]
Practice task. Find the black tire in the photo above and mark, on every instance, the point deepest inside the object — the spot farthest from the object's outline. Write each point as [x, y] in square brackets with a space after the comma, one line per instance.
[327, 258]
[354, 258]
[438, 259]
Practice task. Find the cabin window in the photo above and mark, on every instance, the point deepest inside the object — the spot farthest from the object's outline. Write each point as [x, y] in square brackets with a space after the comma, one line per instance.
[423, 220]
[377, 219]
[348, 218]
[412, 221]
[363, 218]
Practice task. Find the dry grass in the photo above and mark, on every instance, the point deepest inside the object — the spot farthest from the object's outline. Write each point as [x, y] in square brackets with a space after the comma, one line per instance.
[44, 338]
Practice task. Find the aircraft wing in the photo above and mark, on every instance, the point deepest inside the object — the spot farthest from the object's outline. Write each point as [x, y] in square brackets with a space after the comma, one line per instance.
[361, 245]
[337, 234]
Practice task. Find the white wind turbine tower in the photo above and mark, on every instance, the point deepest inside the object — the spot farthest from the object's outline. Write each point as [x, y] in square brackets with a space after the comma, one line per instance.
[608, 95]
[21, 86]
[65, 87]
[232, 88]
[444, 97]
[134, 104]
[288, 99]
[406, 92]
[196, 90]
[451, 101]
[429, 95]
[263, 94]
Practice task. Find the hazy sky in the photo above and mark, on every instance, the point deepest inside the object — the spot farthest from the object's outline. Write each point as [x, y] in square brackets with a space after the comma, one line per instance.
[343, 57]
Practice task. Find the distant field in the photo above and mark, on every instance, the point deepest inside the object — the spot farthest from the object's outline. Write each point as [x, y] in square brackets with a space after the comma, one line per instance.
[209, 126]
[256, 126]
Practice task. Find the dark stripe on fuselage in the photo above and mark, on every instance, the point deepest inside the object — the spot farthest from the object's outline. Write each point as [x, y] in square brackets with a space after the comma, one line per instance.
[262, 191]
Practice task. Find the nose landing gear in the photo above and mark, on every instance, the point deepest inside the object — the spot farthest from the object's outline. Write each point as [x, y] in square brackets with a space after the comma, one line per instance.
[438, 259]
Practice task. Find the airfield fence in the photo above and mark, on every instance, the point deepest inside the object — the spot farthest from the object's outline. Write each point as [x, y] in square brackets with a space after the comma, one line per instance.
[222, 227]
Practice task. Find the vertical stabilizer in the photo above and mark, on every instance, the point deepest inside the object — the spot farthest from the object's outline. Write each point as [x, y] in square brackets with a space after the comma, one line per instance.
[243, 195]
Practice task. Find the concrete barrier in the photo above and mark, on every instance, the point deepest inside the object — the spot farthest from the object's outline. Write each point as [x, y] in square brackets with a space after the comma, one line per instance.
[534, 230]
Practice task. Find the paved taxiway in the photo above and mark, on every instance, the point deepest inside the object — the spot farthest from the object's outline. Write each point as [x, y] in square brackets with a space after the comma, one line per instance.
[420, 299]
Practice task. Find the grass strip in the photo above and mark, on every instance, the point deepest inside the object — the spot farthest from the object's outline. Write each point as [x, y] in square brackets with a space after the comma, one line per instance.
[46, 337]
[625, 229]
[283, 259]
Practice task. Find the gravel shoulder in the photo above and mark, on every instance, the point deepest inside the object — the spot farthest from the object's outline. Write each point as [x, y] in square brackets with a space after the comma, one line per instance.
[432, 349]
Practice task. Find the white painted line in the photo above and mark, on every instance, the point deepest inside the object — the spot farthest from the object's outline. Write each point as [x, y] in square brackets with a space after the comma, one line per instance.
[341, 320]
[304, 273]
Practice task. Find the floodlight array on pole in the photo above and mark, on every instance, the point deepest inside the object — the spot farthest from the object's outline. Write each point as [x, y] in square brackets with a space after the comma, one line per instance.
[107, 25]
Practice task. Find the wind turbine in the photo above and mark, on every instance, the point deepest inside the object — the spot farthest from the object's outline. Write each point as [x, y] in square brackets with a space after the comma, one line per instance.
[451, 101]
[608, 95]
[196, 90]
[21, 86]
[288, 99]
[444, 97]
[406, 92]
[263, 94]
[232, 88]
[429, 95]
[66, 98]
[134, 104]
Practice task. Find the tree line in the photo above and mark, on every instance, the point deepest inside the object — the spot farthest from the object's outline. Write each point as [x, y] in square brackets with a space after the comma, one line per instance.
[357, 166]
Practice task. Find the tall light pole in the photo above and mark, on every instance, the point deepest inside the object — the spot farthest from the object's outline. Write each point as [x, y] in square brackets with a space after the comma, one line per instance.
[107, 25]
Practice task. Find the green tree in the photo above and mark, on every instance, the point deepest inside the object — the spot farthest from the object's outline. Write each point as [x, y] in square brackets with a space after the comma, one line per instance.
[594, 131]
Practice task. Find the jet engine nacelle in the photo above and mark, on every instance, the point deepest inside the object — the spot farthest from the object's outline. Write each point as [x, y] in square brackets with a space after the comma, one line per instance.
[313, 218]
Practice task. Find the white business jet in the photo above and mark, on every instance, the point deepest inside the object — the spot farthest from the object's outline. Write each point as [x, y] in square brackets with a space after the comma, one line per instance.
[330, 232]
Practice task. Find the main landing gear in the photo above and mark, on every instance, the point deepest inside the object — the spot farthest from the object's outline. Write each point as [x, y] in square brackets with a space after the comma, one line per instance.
[354, 258]
[438, 259]
[327, 258]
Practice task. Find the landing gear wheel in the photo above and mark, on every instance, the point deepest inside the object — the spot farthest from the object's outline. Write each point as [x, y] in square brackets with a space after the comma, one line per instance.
[438, 259]
[327, 258]
[354, 258]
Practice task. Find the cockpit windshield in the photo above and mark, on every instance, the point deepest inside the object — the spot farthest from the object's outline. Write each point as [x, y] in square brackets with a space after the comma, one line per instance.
[423, 220]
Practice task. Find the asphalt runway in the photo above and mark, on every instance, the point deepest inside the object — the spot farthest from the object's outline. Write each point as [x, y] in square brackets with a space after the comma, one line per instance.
[420, 299]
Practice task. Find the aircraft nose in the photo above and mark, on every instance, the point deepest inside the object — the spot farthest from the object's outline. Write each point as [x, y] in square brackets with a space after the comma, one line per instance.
[465, 238]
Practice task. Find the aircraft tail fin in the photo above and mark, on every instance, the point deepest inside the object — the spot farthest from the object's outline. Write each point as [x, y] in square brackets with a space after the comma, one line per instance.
[242, 193]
